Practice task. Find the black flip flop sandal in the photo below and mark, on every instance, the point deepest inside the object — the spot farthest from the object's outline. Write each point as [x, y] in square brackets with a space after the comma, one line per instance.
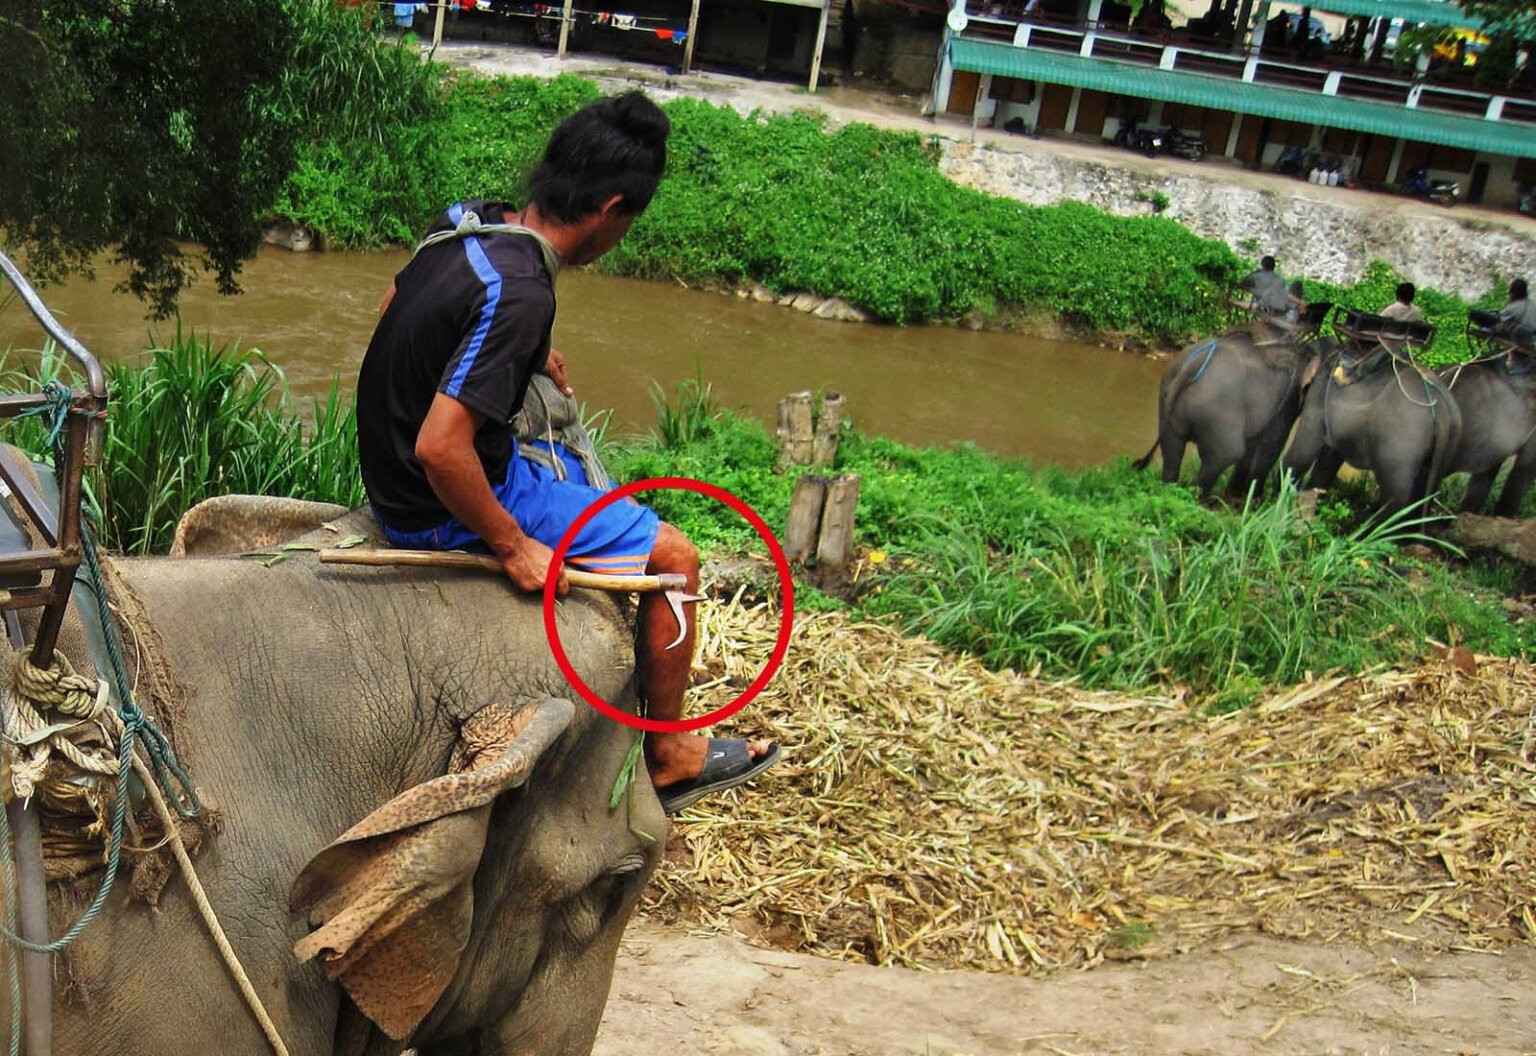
[726, 765]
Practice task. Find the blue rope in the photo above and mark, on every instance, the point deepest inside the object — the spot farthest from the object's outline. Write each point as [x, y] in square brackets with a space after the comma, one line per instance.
[1209, 348]
[168, 773]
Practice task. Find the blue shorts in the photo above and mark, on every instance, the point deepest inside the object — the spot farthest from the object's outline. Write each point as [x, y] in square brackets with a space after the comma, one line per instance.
[617, 541]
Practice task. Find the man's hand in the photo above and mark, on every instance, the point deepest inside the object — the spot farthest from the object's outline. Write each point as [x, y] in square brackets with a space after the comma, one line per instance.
[527, 564]
[554, 366]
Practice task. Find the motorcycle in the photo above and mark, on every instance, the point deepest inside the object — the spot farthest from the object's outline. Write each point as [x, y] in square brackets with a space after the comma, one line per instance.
[1132, 136]
[1441, 192]
[1181, 144]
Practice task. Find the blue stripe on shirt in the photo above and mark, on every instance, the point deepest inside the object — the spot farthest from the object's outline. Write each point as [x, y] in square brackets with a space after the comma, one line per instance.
[492, 279]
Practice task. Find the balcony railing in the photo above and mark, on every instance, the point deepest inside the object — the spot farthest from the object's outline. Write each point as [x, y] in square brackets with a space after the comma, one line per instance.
[1178, 50]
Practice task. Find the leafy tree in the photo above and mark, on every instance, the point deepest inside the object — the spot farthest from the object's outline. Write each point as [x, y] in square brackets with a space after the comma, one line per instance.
[139, 126]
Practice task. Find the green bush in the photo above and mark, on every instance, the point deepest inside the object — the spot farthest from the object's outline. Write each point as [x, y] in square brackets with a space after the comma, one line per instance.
[1377, 288]
[858, 213]
[196, 421]
[1105, 575]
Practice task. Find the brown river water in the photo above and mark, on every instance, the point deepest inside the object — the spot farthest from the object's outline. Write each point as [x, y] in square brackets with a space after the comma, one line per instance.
[312, 313]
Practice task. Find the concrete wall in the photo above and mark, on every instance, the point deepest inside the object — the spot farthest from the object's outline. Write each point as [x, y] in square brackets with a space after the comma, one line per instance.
[1322, 233]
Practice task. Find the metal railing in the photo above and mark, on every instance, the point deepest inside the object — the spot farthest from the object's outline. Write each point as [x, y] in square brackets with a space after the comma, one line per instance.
[80, 445]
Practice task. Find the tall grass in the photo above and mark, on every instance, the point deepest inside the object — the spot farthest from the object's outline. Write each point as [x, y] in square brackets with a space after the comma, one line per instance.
[1106, 575]
[195, 421]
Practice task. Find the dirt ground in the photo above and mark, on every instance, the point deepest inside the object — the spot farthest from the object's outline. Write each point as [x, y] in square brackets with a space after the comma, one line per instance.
[675, 992]
[888, 108]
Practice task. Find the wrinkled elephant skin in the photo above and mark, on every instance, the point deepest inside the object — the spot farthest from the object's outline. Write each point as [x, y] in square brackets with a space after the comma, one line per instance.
[1498, 421]
[314, 695]
[1235, 397]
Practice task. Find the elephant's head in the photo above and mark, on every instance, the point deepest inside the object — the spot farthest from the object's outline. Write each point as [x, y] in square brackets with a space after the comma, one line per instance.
[481, 911]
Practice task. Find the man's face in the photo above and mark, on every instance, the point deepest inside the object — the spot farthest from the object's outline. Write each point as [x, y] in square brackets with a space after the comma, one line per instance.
[605, 231]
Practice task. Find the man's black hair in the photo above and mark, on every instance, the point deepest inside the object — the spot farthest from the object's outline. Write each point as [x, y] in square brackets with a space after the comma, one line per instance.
[1295, 289]
[1405, 292]
[615, 146]
[1268, 264]
[1518, 290]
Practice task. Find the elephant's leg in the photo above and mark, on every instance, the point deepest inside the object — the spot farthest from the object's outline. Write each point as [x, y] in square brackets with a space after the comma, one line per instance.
[1173, 445]
[1266, 452]
[1400, 483]
[1478, 487]
[1215, 459]
[1306, 447]
[1516, 485]
[1325, 470]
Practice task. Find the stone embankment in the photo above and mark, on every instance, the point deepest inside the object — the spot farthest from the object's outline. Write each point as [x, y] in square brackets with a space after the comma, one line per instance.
[1325, 233]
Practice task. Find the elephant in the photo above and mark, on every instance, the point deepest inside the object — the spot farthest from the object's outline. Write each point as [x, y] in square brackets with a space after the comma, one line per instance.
[1498, 408]
[1236, 396]
[1367, 406]
[301, 697]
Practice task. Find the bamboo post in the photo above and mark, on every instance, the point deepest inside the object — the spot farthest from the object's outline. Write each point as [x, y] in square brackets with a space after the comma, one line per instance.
[835, 539]
[804, 525]
[795, 435]
[565, 28]
[693, 33]
[829, 426]
[437, 23]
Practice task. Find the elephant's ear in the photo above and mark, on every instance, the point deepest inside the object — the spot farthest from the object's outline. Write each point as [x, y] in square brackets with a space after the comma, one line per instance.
[392, 898]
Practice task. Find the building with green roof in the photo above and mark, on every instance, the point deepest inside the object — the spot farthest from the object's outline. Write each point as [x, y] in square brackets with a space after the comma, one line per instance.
[1264, 83]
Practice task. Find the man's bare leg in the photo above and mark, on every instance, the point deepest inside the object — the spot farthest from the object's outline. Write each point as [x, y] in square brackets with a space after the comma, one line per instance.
[664, 673]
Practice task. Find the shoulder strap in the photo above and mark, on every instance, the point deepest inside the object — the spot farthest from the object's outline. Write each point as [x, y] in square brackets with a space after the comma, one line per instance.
[471, 225]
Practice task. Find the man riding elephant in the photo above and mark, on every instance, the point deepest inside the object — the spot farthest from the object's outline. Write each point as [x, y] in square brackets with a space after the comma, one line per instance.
[464, 329]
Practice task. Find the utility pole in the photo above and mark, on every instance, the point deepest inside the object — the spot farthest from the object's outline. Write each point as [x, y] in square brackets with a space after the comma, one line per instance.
[565, 28]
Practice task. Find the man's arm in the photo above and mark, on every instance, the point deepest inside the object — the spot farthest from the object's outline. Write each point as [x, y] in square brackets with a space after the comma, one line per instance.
[445, 447]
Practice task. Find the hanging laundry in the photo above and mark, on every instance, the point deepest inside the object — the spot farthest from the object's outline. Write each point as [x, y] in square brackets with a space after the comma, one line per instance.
[664, 34]
[679, 36]
[623, 21]
[604, 17]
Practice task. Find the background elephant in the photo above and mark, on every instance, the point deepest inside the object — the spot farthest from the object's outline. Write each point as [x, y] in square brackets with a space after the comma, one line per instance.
[1498, 419]
[312, 696]
[1375, 412]
[1236, 398]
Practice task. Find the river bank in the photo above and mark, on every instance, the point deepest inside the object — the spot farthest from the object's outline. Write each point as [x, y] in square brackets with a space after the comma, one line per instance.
[852, 222]
[1329, 234]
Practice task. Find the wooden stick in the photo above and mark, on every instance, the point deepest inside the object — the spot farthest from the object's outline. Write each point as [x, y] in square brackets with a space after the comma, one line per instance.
[486, 563]
[804, 517]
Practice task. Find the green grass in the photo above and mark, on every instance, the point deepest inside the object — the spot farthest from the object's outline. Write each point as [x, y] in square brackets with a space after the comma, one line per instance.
[194, 421]
[1107, 575]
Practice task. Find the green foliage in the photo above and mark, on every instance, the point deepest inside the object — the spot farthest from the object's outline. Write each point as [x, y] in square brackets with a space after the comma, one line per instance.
[140, 127]
[1106, 575]
[196, 421]
[1377, 288]
[858, 213]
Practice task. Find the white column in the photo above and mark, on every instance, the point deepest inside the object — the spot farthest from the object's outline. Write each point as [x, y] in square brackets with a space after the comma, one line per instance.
[1256, 41]
[1077, 97]
[942, 78]
[821, 40]
[983, 90]
[565, 28]
[693, 33]
[1095, 7]
[1495, 108]
[1397, 160]
[1237, 127]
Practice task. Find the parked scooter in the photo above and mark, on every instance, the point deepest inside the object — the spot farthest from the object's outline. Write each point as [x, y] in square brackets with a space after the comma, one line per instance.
[1132, 136]
[1181, 144]
[1441, 192]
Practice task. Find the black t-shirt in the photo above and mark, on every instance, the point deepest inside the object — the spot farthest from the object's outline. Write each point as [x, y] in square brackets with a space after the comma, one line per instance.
[470, 318]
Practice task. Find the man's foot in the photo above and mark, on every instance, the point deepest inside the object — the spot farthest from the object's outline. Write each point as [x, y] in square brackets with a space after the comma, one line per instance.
[686, 768]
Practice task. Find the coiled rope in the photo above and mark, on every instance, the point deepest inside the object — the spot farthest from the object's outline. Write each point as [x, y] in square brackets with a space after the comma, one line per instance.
[31, 690]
